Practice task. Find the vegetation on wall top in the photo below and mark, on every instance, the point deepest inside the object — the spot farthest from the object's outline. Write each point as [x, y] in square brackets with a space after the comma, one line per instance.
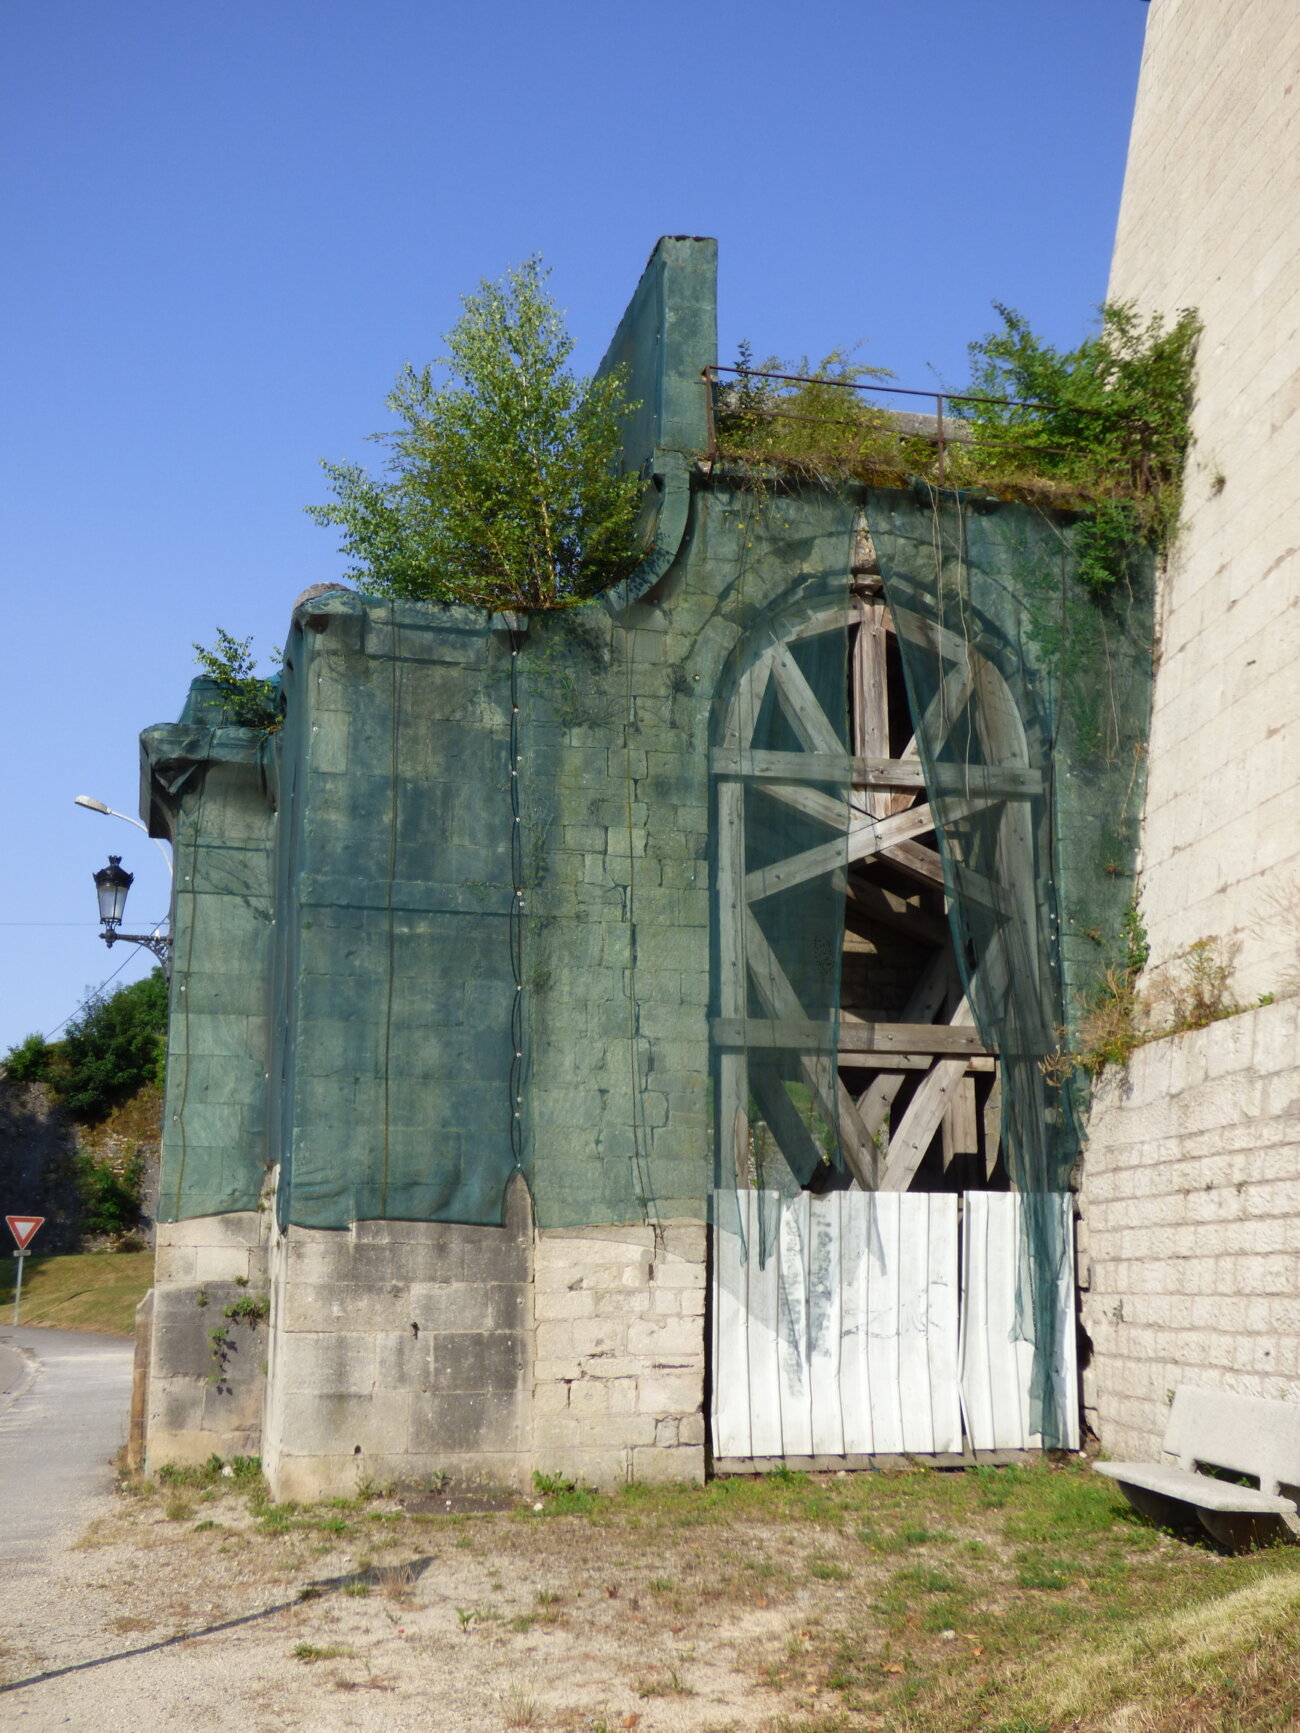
[1106, 424]
[251, 700]
[503, 486]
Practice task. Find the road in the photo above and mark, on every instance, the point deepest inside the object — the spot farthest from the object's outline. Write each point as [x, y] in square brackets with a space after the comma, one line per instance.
[65, 1399]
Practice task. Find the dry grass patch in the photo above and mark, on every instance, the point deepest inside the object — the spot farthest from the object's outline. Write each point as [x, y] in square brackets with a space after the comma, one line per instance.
[96, 1291]
[988, 1601]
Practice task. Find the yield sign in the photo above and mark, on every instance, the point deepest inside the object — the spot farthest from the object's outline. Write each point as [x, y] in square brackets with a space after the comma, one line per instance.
[23, 1228]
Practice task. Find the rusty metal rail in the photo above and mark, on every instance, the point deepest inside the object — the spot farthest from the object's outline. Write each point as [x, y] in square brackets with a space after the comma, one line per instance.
[712, 380]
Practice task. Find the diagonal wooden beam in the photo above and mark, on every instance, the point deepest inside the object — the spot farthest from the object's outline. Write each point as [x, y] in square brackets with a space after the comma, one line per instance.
[803, 1154]
[813, 803]
[868, 836]
[888, 909]
[917, 861]
[924, 1115]
[801, 704]
[927, 996]
[837, 1106]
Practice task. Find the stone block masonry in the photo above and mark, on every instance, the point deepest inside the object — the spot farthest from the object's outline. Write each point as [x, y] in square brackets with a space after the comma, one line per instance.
[1190, 1237]
[401, 1350]
[206, 1372]
[404, 1350]
[1210, 219]
[1191, 1187]
[618, 1369]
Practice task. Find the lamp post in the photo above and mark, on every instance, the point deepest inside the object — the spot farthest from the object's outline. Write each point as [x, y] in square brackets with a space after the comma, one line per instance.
[111, 885]
[93, 805]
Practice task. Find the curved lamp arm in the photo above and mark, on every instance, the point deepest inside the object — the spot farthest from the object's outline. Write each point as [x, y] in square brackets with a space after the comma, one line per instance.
[93, 805]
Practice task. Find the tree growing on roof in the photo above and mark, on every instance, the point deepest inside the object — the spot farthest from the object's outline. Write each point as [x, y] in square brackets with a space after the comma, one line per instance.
[503, 486]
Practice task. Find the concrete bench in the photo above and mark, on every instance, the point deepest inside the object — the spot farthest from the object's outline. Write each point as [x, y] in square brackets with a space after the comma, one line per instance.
[1242, 1434]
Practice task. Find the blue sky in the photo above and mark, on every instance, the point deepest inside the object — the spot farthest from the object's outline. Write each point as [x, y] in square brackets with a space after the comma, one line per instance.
[228, 227]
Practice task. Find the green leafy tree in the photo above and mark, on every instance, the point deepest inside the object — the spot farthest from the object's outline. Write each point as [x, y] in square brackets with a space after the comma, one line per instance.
[251, 700]
[1112, 417]
[110, 1195]
[29, 1061]
[112, 1049]
[503, 486]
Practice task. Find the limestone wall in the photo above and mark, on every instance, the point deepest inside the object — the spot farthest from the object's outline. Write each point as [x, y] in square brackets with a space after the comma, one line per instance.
[405, 1350]
[1191, 1203]
[1191, 1188]
[1211, 219]
[400, 1350]
[206, 1370]
[618, 1378]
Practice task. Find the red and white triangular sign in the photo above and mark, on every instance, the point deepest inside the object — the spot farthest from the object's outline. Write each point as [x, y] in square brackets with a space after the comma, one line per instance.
[23, 1228]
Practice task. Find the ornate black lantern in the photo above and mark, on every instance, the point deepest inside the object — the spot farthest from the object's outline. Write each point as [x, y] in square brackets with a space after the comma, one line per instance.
[111, 886]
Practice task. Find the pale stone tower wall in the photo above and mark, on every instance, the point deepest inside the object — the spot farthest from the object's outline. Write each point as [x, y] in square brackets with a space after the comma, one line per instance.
[1191, 1194]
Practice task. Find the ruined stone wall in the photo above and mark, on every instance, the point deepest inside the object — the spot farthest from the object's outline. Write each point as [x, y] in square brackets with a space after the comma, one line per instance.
[1191, 1187]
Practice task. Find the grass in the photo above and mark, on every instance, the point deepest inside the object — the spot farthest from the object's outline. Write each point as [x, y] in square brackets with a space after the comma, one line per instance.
[320, 1652]
[96, 1291]
[1013, 1600]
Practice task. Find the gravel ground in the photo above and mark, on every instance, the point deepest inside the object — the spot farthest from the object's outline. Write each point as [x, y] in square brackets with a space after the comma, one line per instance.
[183, 1612]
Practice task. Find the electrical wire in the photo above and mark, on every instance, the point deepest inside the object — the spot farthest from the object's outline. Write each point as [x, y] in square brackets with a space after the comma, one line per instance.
[88, 1000]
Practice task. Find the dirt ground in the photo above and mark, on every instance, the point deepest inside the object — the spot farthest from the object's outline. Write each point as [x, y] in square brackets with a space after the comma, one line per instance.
[1029, 1600]
[203, 1620]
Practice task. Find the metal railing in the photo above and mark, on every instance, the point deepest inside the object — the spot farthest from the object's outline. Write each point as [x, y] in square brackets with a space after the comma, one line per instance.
[941, 438]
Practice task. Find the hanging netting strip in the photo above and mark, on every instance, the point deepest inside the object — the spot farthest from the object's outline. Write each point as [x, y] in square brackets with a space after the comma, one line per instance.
[1030, 696]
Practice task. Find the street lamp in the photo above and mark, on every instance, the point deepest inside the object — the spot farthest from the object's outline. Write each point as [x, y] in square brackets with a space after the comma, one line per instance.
[93, 805]
[111, 886]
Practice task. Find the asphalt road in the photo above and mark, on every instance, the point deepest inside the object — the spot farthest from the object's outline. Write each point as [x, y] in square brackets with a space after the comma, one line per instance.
[65, 1400]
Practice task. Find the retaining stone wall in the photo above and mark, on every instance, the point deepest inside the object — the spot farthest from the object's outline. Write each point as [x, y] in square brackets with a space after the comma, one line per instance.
[1191, 1190]
[1210, 219]
[1190, 1240]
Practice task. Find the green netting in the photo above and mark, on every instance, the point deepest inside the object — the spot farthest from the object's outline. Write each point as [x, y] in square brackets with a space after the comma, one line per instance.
[1031, 697]
[566, 896]
[638, 724]
[782, 769]
[487, 938]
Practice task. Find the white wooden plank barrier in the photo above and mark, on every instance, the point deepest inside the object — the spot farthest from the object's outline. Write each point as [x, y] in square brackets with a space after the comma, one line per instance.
[996, 1355]
[845, 1341]
[855, 1338]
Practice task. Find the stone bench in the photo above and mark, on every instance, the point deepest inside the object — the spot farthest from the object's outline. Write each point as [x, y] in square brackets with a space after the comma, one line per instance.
[1240, 1434]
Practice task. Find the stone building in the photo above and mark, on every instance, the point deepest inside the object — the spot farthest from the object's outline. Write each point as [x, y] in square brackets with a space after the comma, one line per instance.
[1191, 1188]
[594, 1029]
